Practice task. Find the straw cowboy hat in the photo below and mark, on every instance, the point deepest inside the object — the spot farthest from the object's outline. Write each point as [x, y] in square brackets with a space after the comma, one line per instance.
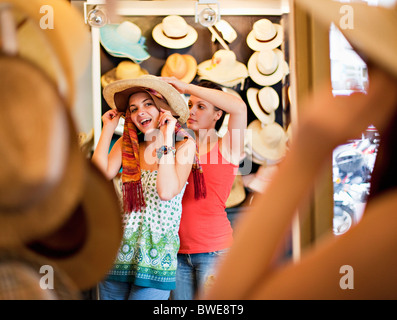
[263, 102]
[265, 35]
[173, 32]
[125, 70]
[40, 163]
[69, 41]
[269, 141]
[124, 40]
[372, 34]
[267, 67]
[21, 279]
[223, 69]
[180, 66]
[117, 93]
[46, 182]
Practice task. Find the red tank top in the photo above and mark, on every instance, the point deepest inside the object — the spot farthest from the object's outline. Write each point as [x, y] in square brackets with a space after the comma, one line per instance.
[204, 224]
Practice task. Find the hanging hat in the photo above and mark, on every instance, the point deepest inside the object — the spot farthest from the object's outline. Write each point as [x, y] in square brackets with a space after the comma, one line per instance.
[40, 180]
[372, 33]
[73, 247]
[265, 35]
[125, 70]
[226, 30]
[223, 69]
[50, 196]
[21, 278]
[266, 67]
[173, 32]
[117, 93]
[124, 40]
[69, 40]
[259, 180]
[263, 103]
[237, 193]
[180, 66]
[269, 141]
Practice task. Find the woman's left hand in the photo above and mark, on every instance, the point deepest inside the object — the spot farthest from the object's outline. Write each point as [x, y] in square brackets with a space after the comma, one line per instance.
[167, 125]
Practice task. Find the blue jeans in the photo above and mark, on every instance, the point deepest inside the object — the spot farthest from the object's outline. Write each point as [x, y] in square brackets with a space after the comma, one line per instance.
[193, 272]
[117, 290]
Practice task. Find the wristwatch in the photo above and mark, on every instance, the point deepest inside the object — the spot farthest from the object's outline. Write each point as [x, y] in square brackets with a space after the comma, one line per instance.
[165, 150]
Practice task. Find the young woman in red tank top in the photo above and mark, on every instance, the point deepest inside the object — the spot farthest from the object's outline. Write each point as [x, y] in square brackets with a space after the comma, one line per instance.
[205, 231]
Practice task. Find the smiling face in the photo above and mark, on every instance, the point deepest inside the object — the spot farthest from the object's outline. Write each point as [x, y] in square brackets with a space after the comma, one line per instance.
[202, 114]
[144, 113]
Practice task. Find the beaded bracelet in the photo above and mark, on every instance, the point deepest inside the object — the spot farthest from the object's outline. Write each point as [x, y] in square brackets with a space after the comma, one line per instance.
[165, 150]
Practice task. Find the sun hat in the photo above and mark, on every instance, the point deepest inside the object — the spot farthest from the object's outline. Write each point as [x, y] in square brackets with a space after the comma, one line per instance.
[263, 102]
[126, 69]
[46, 180]
[117, 93]
[266, 67]
[372, 34]
[265, 35]
[78, 246]
[40, 180]
[259, 180]
[223, 69]
[180, 66]
[69, 41]
[21, 278]
[237, 193]
[124, 40]
[269, 140]
[173, 32]
[226, 30]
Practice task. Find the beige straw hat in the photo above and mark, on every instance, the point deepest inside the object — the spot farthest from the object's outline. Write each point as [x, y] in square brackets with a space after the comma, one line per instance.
[40, 180]
[372, 33]
[180, 66]
[263, 102]
[125, 70]
[53, 202]
[117, 93]
[269, 141]
[267, 67]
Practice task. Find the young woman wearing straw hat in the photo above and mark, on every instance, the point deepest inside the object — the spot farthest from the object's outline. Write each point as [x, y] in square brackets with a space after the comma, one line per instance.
[155, 169]
[360, 264]
[205, 230]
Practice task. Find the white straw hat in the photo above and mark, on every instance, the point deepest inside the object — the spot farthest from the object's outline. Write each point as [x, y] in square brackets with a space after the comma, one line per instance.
[267, 67]
[173, 32]
[223, 68]
[269, 141]
[263, 103]
[265, 35]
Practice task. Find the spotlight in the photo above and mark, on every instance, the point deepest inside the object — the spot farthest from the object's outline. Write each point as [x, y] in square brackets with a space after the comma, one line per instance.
[208, 16]
[96, 18]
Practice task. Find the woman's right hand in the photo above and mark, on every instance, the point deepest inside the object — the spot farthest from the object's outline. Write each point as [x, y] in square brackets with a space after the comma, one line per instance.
[111, 119]
[176, 83]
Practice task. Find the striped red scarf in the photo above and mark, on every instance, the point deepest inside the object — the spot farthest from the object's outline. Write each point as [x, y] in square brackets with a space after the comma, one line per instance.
[133, 198]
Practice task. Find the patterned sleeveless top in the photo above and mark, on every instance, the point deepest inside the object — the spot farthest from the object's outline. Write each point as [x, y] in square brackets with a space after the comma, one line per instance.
[148, 253]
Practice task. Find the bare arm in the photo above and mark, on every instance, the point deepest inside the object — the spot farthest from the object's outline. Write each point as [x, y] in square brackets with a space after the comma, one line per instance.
[234, 106]
[108, 163]
[173, 171]
[331, 121]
